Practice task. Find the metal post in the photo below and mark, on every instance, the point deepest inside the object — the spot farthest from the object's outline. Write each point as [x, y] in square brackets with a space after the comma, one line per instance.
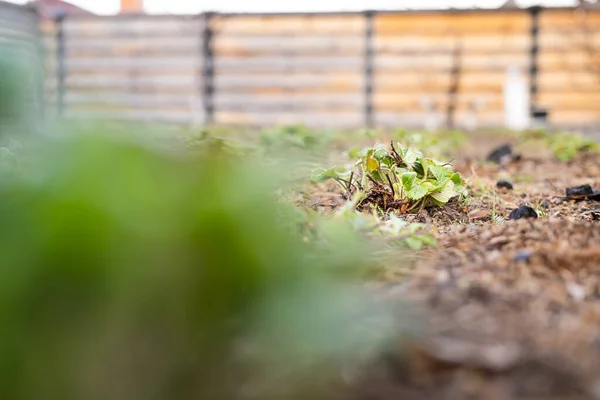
[368, 68]
[208, 71]
[533, 57]
[61, 70]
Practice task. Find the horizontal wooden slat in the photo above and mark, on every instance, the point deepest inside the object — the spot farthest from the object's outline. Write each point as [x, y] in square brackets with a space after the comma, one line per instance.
[156, 116]
[569, 80]
[464, 23]
[141, 62]
[467, 61]
[571, 101]
[285, 82]
[400, 101]
[416, 119]
[331, 119]
[137, 84]
[292, 23]
[323, 100]
[147, 27]
[567, 19]
[297, 44]
[575, 117]
[429, 41]
[134, 100]
[347, 63]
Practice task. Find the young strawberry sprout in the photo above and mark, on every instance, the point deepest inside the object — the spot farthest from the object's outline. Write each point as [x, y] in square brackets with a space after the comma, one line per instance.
[399, 178]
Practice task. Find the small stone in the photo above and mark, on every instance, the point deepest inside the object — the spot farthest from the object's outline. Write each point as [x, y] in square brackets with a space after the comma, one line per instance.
[522, 212]
[523, 195]
[582, 192]
[502, 184]
[479, 214]
[523, 255]
[576, 291]
[545, 204]
[501, 155]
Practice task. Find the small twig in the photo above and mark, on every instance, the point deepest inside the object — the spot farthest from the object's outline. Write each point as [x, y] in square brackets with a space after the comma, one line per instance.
[397, 157]
[391, 186]
[449, 163]
[414, 205]
[373, 180]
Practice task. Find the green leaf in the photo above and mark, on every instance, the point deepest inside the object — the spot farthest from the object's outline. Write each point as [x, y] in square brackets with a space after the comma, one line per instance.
[429, 240]
[457, 179]
[410, 156]
[408, 179]
[354, 152]
[377, 176]
[413, 190]
[440, 173]
[372, 164]
[321, 174]
[380, 153]
[416, 192]
[445, 194]
[414, 243]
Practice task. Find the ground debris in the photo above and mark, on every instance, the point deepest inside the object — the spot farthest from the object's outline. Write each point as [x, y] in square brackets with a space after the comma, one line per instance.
[512, 309]
[582, 192]
[522, 212]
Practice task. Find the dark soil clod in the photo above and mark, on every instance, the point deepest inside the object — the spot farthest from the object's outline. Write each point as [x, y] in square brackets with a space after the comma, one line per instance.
[504, 185]
[582, 192]
[501, 155]
[522, 212]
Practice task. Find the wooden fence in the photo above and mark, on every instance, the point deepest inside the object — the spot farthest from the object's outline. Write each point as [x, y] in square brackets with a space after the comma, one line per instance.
[21, 50]
[341, 70]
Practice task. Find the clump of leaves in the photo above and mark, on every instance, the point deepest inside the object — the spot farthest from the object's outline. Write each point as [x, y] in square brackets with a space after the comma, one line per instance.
[438, 143]
[293, 136]
[204, 143]
[399, 178]
[564, 145]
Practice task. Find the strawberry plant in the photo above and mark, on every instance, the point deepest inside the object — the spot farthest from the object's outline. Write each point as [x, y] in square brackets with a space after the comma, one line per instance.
[399, 178]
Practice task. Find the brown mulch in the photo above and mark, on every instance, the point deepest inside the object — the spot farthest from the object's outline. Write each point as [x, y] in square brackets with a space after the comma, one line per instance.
[511, 309]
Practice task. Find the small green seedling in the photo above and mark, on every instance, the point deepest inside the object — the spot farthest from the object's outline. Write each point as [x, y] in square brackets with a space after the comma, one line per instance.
[400, 178]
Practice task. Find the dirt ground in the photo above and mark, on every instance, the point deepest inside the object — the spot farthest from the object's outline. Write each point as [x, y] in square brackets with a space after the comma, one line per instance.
[512, 307]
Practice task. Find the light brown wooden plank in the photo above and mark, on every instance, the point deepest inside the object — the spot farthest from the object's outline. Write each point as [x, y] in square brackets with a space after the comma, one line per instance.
[156, 116]
[145, 26]
[284, 82]
[287, 24]
[323, 100]
[574, 117]
[452, 23]
[560, 19]
[329, 119]
[290, 64]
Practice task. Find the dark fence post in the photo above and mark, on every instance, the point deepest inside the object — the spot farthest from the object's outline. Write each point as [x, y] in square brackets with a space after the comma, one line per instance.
[61, 70]
[368, 68]
[454, 85]
[533, 57]
[208, 69]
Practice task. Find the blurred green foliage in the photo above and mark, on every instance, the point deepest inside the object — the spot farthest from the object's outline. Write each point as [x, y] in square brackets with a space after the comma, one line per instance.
[137, 268]
[564, 145]
[132, 272]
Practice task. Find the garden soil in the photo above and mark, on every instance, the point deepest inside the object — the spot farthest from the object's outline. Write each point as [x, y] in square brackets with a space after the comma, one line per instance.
[511, 307]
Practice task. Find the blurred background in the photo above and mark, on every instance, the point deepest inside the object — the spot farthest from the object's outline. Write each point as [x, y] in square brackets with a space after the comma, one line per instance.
[415, 64]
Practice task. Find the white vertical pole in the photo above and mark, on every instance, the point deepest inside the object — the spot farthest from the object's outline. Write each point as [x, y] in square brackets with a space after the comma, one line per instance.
[516, 100]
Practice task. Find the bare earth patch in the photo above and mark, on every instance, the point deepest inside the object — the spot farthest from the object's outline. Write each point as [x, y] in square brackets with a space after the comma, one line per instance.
[512, 308]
